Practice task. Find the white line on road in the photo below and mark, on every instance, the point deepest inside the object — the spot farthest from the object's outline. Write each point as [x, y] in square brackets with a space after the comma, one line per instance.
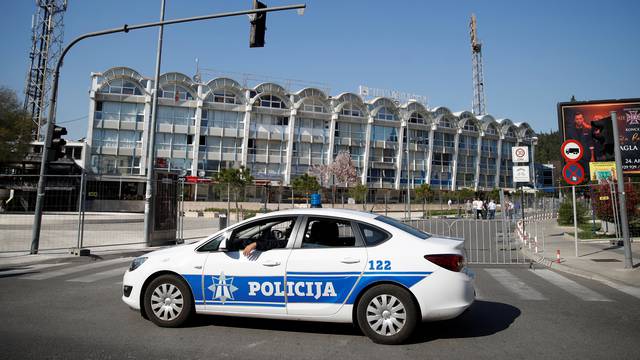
[515, 285]
[99, 276]
[29, 269]
[77, 269]
[570, 286]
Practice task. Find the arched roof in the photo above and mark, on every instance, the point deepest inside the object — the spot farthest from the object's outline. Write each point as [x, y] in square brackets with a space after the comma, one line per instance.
[505, 125]
[441, 110]
[382, 102]
[123, 72]
[416, 107]
[353, 99]
[226, 84]
[269, 88]
[180, 79]
[466, 116]
[312, 93]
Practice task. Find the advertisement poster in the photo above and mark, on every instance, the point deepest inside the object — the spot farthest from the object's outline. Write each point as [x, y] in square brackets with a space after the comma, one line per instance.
[590, 123]
[603, 170]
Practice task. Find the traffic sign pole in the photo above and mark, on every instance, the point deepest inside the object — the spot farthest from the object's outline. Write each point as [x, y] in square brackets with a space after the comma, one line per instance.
[575, 218]
[628, 259]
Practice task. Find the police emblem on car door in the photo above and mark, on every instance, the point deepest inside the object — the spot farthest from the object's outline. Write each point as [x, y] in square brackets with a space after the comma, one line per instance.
[253, 282]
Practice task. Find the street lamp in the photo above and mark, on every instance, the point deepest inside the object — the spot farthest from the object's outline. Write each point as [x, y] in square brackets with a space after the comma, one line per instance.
[37, 221]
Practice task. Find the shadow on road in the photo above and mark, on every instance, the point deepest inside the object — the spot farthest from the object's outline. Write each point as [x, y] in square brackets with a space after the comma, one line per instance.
[483, 318]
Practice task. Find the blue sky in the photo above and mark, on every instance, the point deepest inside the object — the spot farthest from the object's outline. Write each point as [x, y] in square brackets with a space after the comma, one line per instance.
[536, 53]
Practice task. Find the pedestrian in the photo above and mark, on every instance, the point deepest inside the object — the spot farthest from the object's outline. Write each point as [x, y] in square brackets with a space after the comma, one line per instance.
[478, 208]
[484, 209]
[449, 203]
[492, 209]
[468, 207]
[509, 207]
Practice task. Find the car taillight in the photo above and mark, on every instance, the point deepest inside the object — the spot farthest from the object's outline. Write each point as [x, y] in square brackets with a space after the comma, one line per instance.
[448, 261]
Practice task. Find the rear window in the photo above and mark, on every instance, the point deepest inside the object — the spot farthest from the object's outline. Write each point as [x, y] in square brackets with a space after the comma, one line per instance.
[402, 226]
[372, 235]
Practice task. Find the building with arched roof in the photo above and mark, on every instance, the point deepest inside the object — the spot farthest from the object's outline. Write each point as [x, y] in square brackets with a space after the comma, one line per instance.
[279, 134]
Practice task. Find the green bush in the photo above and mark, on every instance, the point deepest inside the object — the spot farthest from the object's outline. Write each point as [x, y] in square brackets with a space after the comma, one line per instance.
[565, 213]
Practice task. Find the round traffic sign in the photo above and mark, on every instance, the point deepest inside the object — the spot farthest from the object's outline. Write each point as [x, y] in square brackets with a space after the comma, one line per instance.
[573, 173]
[572, 150]
[520, 152]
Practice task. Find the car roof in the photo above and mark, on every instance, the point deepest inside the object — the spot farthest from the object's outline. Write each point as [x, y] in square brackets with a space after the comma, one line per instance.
[345, 213]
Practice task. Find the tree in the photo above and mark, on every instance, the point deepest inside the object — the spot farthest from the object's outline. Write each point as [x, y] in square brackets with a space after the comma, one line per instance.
[359, 193]
[15, 128]
[603, 208]
[424, 192]
[342, 168]
[306, 183]
[236, 179]
[321, 172]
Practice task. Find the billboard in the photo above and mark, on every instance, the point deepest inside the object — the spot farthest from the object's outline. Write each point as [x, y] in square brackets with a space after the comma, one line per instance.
[589, 122]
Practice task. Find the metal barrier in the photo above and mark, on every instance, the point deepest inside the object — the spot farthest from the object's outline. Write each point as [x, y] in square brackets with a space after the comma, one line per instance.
[485, 241]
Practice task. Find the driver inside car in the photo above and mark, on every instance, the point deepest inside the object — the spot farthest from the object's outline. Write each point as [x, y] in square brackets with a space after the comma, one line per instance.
[269, 239]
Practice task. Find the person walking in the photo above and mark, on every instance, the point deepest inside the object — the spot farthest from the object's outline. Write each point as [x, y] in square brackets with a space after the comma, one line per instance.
[449, 203]
[478, 208]
[492, 209]
[468, 207]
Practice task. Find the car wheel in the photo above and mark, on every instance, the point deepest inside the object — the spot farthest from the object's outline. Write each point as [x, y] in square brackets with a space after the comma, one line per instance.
[167, 301]
[387, 314]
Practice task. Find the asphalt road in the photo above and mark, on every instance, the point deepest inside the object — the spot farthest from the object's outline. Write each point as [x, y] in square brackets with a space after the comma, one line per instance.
[520, 313]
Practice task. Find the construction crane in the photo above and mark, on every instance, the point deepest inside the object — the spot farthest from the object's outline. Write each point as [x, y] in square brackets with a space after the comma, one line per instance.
[476, 60]
[47, 28]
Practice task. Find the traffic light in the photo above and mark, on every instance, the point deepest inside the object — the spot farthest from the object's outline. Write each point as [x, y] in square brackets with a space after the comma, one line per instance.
[57, 143]
[258, 26]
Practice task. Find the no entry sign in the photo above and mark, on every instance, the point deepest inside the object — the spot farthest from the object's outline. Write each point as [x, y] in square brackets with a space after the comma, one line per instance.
[573, 173]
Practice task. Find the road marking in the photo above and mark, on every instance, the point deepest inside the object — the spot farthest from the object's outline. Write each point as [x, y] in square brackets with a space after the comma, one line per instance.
[515, 285]
[28, 269]
[77, 269]
[570, 286]
[100, 276]
[629, 290]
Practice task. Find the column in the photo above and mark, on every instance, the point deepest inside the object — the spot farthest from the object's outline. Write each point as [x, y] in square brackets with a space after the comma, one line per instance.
[454, 170]
[402, 147]
[365, 167]
[196, 136]
[498, 162]
[247, 125]
[146, 130]
[290, 134]
[430, 154]
[476, 180]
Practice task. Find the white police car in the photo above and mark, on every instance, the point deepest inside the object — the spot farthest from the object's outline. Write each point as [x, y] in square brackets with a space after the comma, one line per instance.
[308, 264]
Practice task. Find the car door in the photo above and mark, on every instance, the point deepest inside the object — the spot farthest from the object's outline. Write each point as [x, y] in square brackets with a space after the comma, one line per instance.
[326, 262]
[253, 284]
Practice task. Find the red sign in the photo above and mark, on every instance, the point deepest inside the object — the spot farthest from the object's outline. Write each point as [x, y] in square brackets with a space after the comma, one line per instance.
[196, 180]
[573, 173]
[572, 150]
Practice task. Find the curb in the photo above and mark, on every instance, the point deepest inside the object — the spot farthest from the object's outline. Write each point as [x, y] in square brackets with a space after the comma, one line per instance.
[581, 273]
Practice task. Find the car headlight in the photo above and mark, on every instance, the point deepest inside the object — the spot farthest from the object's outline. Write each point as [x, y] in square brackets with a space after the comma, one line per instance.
[137, 262]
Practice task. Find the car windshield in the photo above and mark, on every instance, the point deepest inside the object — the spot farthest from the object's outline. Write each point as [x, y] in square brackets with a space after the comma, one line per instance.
[404, 227]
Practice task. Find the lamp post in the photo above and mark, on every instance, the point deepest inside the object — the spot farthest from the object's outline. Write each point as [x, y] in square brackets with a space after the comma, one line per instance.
[37, 221]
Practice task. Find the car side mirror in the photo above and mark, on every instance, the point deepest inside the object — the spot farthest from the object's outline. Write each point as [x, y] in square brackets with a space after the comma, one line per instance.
[223, 242]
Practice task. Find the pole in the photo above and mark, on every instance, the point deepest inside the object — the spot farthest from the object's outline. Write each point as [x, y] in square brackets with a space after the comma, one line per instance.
[37, 218]
[80, 210]
[575, 219]
[624, 222]
[151, 131]
[408, 187]
[522, 204]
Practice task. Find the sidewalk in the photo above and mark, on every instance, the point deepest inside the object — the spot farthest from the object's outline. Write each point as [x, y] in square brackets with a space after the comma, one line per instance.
[597, 259]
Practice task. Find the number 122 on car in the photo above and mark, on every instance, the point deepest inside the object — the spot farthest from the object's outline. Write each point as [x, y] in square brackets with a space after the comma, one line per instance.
[379, 265]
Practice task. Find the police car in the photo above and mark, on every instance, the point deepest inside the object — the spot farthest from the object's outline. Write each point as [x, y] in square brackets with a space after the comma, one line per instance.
[308, 264]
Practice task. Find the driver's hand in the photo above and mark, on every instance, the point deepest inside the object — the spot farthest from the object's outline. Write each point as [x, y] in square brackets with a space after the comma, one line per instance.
[249, 248]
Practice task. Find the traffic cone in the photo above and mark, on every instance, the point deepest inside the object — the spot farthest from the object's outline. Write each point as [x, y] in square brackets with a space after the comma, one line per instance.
[558, 256]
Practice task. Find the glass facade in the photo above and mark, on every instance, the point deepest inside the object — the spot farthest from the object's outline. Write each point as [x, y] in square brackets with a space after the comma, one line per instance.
[279, 134]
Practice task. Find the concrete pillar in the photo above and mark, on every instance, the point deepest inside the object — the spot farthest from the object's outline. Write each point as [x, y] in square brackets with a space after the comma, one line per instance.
[245, 135]
[430, 154]
[402, 147]
[454, 170]
[196, 137]
[498, 162]
[290, 141]
[476, 180]
[146, 129]
[365, 167]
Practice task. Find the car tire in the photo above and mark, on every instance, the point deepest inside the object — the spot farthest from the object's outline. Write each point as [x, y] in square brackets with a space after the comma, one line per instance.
[168, 301]
[387, 314]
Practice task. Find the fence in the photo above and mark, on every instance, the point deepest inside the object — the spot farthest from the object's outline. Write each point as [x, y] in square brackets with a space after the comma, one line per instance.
[113, 213]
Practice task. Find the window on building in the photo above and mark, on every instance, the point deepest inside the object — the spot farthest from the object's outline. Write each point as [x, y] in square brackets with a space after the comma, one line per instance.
[120, 86]
[351, 110]
[416, 118]
[385, 114]
[271, 101]
[174, 92]
[225, 96]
